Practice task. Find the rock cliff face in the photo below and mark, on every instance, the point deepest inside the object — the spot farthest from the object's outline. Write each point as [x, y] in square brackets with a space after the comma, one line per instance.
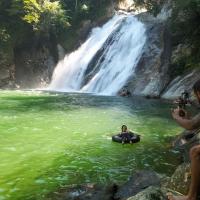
[29, 65]
[154, 75]
[6, 69]
[151, 74]
[34, 63]
[180, 84]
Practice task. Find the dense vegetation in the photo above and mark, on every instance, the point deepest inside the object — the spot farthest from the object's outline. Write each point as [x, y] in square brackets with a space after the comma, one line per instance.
[185, 29]
[21, 18]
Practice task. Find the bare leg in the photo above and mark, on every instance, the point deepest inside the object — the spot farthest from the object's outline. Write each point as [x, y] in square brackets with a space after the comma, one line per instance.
[195, 170]
[195, 181]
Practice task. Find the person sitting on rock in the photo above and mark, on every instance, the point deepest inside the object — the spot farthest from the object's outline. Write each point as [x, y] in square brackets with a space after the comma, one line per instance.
[191, 124]
[126, 135]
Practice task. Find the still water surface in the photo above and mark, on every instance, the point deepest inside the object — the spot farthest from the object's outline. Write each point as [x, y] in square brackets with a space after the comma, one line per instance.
[50, 140]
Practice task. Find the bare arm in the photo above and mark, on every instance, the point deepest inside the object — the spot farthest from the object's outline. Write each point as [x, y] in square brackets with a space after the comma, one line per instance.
[187, 123]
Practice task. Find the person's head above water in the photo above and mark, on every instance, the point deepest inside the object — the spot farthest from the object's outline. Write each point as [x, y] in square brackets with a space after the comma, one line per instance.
[124, 128]
[196, 89]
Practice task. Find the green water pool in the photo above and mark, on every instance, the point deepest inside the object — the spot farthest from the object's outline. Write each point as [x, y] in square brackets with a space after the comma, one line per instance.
[50, 140]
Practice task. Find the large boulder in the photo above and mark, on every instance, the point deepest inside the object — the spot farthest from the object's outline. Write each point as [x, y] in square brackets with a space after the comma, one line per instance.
[151, 193]
[181, 179]
[185, 141]
[138, 182]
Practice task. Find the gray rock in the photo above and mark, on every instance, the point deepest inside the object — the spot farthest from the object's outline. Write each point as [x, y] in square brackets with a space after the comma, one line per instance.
[138, 182]
[181, 179]
[35, 62]
[7, 68]
[151, 77]
[4, 74]
[185, 141]
[146, 17]
[181, 51]
[151, 193]
[85, 192]
[181, 83]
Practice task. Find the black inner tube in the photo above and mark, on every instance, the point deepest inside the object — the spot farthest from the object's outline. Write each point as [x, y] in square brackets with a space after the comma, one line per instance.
[134, 139]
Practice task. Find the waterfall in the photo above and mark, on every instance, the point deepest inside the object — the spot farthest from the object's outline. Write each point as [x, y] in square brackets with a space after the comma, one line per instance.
[105, 61]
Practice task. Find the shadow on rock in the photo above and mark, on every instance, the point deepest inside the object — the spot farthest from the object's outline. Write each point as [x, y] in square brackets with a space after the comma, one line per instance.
[138, 182]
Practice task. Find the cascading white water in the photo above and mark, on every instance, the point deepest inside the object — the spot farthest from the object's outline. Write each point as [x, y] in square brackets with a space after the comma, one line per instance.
[120, 42]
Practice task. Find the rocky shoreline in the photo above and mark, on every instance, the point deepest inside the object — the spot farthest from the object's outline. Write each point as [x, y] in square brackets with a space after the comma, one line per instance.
[142, 185]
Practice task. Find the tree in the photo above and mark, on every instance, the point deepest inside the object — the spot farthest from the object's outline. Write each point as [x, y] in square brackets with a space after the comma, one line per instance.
[45, 16]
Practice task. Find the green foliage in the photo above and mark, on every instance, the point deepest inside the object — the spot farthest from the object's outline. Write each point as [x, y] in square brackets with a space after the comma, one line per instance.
[45, 16]
[185, 19]
[32, 11]
[185, 29]
[84, 9]
[80, 10]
